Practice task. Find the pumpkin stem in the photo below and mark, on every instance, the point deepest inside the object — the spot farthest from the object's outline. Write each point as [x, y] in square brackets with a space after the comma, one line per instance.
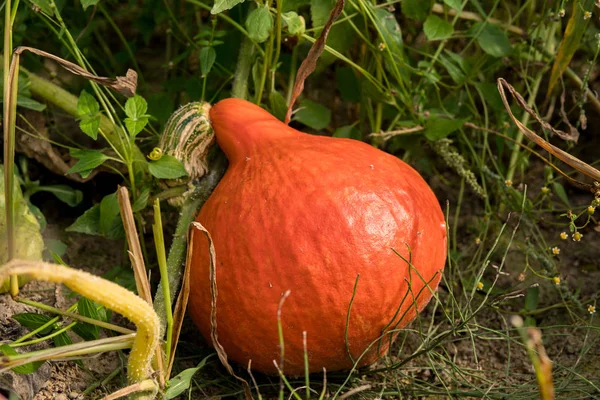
[241, 126]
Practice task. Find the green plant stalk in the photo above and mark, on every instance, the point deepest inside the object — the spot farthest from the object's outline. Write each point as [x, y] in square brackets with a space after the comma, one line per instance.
[263, 75]
[44, 338]
[177, 253]
[41, 328]
[242, 71]
[75, 316]
[11, 73]
[159, 242]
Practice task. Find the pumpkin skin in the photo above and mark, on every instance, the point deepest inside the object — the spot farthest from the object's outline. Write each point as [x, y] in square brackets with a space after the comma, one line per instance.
[308, 214]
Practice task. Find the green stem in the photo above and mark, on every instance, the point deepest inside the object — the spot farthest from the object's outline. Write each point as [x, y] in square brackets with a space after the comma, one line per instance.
[159, 242]
[75, 316]
[242, 71]
[263, 76]
[44, 338]
[177, 252]
[10, 114]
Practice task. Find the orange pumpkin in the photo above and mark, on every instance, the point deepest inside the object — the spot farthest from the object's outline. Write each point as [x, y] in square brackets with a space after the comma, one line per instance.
[310, 214]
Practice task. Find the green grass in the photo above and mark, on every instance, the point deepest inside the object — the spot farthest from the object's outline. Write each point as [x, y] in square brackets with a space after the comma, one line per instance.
[433, 103]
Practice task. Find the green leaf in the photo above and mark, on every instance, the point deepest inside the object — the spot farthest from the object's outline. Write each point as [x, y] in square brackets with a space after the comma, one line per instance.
[348, 84]
[492, 39]
[348, 131]
[142, 200]
[136, 107]
[56, 247]
[455, 71]
[456, 4]
[109, 210]
[183, 380]
[86, 331]
[88, 160]
[277, 105]
[33, 321]
[208, 55]
[87, 104]
[86, 3]
[489, 91]
[88, 222]
[438, 128]
[44, 5]
[64, 193]
[27, 102]
[224, 5]
[62, 339]
[90, 125]
[167, 167]
[259, 24]
[436, 28]
[22, 369]
[294, 23]
[389, 30]
[135, 125]
[559, 189]
[416, 9]
[532, 298]
[313, 115]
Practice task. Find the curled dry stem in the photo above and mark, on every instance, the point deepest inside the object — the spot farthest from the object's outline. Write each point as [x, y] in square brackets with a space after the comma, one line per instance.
[108, 294]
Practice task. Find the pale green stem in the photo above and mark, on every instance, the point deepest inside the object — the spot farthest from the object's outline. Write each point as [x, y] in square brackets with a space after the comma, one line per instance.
[159, 242]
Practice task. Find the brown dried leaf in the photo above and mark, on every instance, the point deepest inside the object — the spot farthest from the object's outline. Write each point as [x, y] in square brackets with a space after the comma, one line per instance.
[562, 155]
[310, 62]
[213, 308]
[573, 135]
[126, 85]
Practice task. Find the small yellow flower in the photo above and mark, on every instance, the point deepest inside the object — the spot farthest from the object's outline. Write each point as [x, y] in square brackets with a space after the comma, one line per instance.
[556, 280]
[561, 13]
[591, 309]
[577, 237]
[587, 15]
[508, 183]
[381, 46]
[545, 190]
[564, 236]
[591, 210]
[477, 241]
[480, 286]
[521, 277]
[555, 251]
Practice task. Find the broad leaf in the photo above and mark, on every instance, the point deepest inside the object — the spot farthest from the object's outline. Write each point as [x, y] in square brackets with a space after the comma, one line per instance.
[313, 115]
[66, 194]
[208, 55]
[259, 24]
[90, 125]
[183, 381]
[439, 128]
[456, 4]
[436, 28]
[87, 104]
[109, 211]
[492, 39]
[167, 167]
[294, 23]
[88, 222]
[224, 5]
[33, 321]
[88, 160]
[23, 369]
[416, 9]
[277, 105]
[86, 3]
[348, 131]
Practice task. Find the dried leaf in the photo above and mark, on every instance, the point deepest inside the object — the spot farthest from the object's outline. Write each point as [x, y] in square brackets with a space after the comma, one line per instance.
[573, 135]
[126, 85]
[213, 307]
[555, 151]
[310, 62]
